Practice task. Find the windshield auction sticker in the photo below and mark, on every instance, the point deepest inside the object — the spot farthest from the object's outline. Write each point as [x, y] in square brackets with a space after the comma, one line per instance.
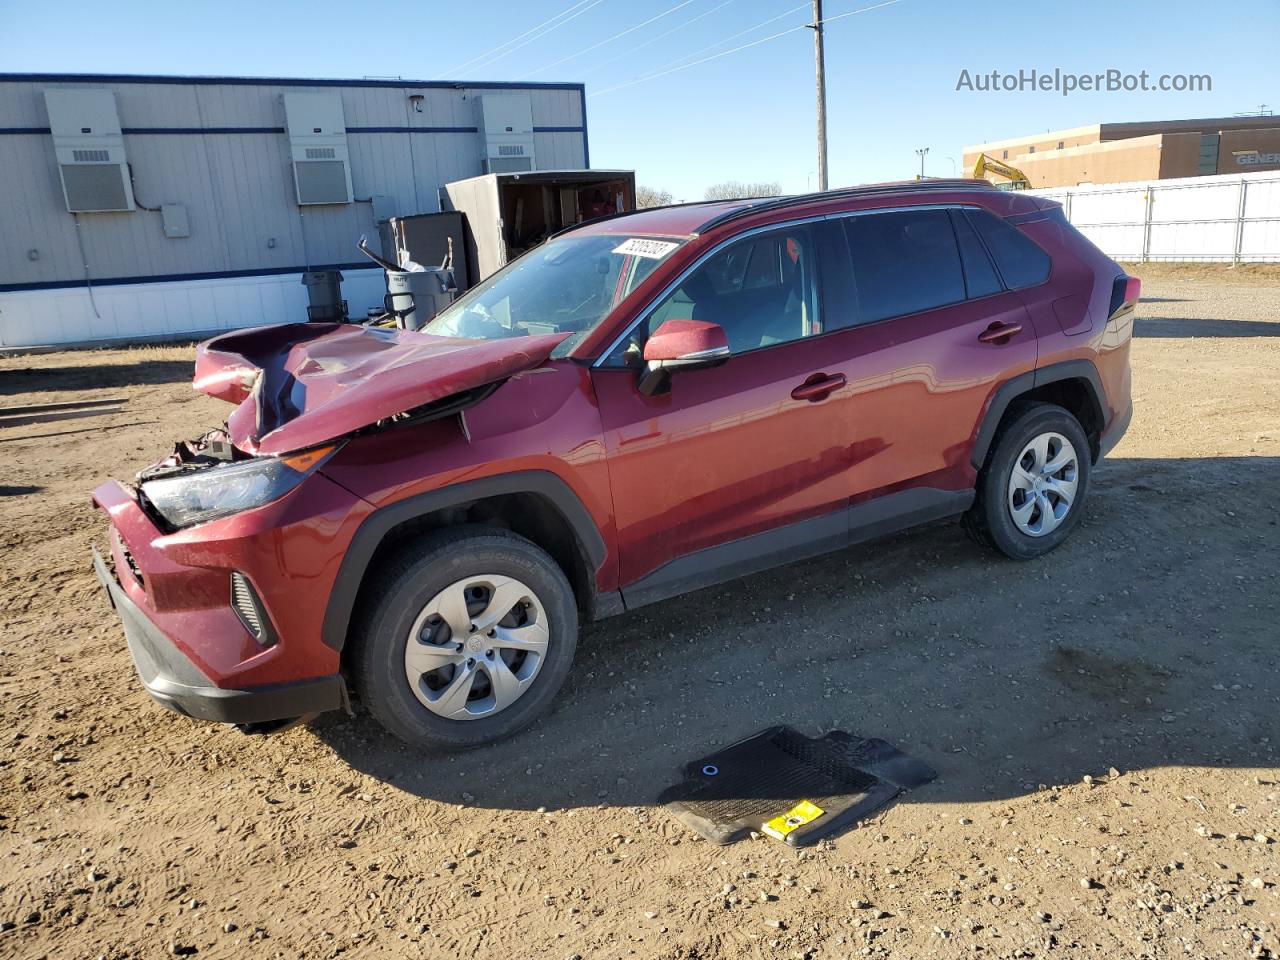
[652, 249]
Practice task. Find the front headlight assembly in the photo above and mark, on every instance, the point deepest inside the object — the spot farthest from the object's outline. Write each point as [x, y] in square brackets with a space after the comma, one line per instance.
[186, 499]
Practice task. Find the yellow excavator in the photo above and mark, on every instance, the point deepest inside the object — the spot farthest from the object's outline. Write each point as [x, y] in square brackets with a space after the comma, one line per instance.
[987, 164]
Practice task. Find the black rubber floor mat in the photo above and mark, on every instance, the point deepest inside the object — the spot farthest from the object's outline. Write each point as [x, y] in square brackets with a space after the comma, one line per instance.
[795, 788]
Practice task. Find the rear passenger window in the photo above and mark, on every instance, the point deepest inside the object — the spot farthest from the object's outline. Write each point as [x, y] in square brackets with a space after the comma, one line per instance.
[980, 277]
[904, 262]
[1021, 262]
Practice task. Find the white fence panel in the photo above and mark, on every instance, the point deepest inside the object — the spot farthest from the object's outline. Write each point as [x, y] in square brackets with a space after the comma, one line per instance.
[1259, 240]
[1114, 206]
[1118, 241]
[1262, 199]
[1215, 201]
[1191, 241]
[1233, 218]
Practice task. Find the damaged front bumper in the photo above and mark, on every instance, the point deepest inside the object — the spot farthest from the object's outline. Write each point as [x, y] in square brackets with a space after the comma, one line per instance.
[177, 684]
[181, 598]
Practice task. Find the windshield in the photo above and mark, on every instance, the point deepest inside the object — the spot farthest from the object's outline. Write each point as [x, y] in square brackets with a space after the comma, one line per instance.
[564, 286]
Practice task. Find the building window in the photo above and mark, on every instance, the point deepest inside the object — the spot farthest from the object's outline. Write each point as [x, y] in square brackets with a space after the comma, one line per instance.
[1061, 144]
[1005, 155]
[1032, 149]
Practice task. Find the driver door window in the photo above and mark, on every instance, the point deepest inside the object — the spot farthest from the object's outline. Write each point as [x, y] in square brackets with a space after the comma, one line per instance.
[761, 290]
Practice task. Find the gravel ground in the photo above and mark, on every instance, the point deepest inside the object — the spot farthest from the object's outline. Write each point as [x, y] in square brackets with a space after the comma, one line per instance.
[1103, 722]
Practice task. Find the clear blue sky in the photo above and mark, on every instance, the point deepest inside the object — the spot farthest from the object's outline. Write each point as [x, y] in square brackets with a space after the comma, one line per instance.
[892, 72]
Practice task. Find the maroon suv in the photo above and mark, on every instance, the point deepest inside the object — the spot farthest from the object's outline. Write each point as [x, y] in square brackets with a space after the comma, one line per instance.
[641, 406]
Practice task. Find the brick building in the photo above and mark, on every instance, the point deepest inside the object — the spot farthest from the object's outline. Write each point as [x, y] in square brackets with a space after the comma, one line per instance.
[1157, 150]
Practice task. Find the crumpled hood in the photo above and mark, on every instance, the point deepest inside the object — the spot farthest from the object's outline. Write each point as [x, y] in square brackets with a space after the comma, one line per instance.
[301, 384]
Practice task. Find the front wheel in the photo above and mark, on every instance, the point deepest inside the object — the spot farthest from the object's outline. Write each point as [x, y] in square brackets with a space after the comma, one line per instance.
[465, 638]
[1031, 491]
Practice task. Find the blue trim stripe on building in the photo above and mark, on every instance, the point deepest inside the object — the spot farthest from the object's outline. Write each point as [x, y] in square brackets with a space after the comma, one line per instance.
[455, 130]
[148, 131]
[282, 81]
[181, 130]
[182, 277]
[413, 129]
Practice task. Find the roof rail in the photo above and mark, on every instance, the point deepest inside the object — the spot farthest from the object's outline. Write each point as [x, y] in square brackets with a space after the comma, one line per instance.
[869, 190]
[758, 204]
[626, 213]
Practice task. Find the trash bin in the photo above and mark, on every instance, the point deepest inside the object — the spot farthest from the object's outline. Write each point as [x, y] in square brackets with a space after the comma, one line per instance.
[324, 291]
[415, 296]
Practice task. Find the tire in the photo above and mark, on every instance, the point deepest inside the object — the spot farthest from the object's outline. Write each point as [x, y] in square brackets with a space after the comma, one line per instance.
[1033, 532]
[425, 576]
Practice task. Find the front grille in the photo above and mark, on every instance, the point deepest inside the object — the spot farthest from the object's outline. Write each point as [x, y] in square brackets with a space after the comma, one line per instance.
[248, 608]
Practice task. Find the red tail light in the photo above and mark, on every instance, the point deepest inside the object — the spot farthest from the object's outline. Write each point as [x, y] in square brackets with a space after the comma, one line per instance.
[1126, 291]
[1133, 290]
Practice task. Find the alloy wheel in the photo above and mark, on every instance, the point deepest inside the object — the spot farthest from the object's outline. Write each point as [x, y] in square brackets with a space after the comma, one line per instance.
[476, 647]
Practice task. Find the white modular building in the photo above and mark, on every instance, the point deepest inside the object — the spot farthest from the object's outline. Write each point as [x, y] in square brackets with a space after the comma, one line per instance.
[142, 206]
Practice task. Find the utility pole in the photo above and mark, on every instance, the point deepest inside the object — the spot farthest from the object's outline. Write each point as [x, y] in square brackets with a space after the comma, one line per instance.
[921, 154]
[821, 68]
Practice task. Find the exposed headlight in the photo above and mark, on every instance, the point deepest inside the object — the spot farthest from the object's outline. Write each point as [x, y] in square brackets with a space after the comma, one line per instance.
[188, 499]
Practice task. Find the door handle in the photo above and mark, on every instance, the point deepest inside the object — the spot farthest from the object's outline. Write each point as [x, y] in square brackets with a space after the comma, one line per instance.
[999, 332]
[818, 387]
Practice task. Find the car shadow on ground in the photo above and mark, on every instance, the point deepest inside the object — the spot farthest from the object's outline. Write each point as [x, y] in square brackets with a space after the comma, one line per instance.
[102, 376]
[1180, 327]
[1147, 640]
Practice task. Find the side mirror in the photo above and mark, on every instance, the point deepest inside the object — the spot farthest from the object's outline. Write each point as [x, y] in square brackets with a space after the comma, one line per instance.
[681, 345]
[686, 344]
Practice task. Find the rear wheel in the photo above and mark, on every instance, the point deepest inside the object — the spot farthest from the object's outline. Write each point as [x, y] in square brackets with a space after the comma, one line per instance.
[1031, 491]
[465, 639]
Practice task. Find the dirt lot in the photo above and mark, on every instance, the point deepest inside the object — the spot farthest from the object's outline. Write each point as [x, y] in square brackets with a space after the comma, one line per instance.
[1142, 654]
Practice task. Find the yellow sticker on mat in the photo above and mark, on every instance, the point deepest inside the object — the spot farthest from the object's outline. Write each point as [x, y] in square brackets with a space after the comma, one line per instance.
[802, 813]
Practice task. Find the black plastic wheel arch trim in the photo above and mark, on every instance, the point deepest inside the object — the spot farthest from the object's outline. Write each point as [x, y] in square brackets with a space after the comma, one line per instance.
[377, 525]
[1025, 383]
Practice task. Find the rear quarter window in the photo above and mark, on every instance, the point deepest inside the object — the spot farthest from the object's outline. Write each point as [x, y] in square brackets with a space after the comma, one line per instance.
[1021, 263]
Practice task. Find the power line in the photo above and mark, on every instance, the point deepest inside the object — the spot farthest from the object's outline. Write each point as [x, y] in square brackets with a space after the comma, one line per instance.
[493, 50]
[652, 40]
[493, 54]
[733, 36]
[500, 47]
[616, 36]
[543, 33]
[745, 46]
[686, 66]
